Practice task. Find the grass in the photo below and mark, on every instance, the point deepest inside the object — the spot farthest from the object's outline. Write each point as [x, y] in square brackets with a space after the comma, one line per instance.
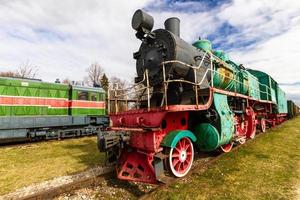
[265, 168]
[27, 164]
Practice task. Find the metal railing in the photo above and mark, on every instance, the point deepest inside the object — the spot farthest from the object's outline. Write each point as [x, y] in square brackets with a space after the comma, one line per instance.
[136, 93]
[196, 84]
[128, 95]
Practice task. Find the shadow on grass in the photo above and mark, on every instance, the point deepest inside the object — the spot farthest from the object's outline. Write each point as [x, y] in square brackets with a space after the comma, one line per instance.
[130, 187]
[88, 155]
[85, 152]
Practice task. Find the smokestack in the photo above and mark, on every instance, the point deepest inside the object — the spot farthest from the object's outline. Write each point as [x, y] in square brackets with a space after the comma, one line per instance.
[173, 25]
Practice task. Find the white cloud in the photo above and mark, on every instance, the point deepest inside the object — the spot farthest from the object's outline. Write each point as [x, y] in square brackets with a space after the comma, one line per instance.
[190, 23]
[64, 37]
[275, 56]
[260, 18]
[293, 92]
[277, 24]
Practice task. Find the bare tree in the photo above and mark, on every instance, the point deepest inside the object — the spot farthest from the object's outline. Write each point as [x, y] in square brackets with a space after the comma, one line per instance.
[117, 82]
[119, 92]
[66, 81]
[26, 70]
[7, 74]
[95, 72]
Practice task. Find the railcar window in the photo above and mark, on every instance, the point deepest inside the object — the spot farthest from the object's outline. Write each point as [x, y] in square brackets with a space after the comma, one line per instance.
[93, 97]
[102, 97]
[82, 95]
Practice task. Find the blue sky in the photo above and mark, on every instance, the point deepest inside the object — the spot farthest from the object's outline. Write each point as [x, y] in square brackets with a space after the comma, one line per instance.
[62, 38]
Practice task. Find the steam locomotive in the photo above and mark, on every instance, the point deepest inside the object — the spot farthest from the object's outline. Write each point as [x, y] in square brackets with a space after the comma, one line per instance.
[192, 98]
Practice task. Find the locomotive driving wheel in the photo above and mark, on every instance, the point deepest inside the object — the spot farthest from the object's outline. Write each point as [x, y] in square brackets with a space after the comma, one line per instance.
[242, 140]
[251, 123]
[180, 158]
[226, 147]
[263, 125]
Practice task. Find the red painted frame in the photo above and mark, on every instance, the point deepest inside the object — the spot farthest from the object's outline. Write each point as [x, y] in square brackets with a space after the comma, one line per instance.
[147, 132]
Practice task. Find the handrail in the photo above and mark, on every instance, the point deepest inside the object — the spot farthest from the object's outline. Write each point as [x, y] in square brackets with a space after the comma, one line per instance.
[166, 82]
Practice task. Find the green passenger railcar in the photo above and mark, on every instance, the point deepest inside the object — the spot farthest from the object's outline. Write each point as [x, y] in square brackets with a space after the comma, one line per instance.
[293, 109]
[31, 109]
[87, 101]
[22, 97]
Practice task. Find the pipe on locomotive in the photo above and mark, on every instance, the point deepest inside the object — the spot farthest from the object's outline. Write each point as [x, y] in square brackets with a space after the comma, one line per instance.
[173, 25]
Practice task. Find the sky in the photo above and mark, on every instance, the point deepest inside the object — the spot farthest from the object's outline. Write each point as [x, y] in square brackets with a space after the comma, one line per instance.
[62, 38]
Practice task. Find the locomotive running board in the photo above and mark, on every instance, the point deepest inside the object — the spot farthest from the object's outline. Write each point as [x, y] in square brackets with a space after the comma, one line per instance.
[134, 129]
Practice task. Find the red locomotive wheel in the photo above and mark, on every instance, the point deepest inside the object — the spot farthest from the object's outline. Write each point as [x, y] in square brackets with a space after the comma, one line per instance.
[181, 157]
[226, 147]
[242, 140]
[263, 125]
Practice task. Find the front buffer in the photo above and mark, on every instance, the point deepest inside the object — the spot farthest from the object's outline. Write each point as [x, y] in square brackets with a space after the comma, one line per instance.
[164, 144]
[148, 143]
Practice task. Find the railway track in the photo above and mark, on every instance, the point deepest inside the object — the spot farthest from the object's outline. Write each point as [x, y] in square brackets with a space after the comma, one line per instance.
[37, 141]
[94, 176]
[57, 186]
[20, 144]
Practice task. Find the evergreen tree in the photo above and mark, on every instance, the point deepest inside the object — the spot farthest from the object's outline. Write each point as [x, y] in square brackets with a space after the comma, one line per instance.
[104, 82]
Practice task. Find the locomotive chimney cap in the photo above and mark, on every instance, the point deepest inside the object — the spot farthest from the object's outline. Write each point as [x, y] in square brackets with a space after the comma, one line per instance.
[142, 21]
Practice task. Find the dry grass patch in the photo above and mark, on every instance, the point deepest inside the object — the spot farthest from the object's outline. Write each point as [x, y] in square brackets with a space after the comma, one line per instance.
[24, 165]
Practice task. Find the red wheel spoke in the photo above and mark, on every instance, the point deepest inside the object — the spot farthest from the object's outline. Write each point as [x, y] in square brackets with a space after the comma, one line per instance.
[177, 166]
[180, 167]
[179, 145]
[188, 148]
[187, 161]
[175, 162]
[183, 144]
[175, 155]
[178, 150]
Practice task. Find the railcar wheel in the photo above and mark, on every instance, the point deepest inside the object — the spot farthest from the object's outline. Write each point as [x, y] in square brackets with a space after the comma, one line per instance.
[181, 158]
[252, 136]
[263, 125]
[226, 147]
[242, 140]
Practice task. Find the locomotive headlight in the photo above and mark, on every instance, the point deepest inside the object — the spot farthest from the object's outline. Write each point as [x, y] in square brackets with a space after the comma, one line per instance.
[142, 23]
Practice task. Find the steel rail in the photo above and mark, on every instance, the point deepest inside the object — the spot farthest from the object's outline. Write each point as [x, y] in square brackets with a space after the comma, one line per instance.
[51, 192]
